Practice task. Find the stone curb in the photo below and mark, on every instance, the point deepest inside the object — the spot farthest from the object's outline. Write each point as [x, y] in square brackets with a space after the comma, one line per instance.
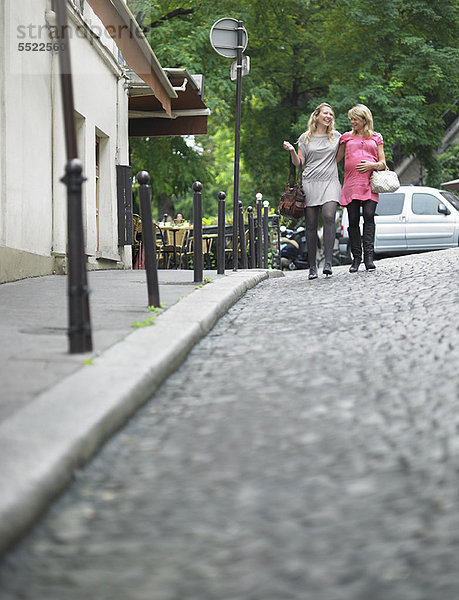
[43, 444]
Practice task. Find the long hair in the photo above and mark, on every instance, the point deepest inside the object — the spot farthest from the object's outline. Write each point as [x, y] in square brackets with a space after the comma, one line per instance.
[362, 111]
[312, 124]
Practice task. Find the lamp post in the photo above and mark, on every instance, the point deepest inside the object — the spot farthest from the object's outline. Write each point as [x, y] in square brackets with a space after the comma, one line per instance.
[229, 38]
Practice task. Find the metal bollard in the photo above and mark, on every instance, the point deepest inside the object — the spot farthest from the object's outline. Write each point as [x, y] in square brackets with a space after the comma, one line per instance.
[79, 331]
[244, 261]
[276, 224]
[252, 262]
[148, 238]
[259, 251]
[265, 233]
[197, 232]
[79, 321]
[221, 234]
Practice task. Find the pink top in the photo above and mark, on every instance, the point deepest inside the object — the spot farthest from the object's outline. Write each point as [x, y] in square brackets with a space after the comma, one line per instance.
[356, 185]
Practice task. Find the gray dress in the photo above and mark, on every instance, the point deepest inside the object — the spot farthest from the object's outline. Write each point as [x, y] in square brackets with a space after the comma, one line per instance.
[320, 175]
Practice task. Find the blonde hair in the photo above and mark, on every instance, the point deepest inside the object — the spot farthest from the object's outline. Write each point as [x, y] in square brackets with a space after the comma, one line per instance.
[363, 112]
[312, 124]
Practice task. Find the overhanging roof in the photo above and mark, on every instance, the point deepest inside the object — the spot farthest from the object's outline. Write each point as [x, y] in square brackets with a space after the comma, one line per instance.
[127, 35]
[188, 114]
[451, 185]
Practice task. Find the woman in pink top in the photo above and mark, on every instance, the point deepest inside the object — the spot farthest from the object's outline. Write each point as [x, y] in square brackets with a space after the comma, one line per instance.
[364, 153]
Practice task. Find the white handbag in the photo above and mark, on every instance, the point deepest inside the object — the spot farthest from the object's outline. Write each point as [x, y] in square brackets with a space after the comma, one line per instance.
[384, 181]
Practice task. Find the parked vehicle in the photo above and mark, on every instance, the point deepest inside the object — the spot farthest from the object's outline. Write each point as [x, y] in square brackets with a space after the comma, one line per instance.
[293, 248]
[412, 219]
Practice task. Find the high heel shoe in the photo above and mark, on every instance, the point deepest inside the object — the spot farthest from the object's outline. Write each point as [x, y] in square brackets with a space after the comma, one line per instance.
[327, 268]
[355, 264]
[312, 273]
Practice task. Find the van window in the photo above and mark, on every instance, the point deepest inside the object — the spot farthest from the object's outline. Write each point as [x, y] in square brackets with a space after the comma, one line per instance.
[390, 204]
[425, 204]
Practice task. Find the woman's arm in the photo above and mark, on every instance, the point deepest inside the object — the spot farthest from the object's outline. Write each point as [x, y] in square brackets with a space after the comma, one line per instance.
[381, 158]
[296, 158]
[340, 153]
[366, 165]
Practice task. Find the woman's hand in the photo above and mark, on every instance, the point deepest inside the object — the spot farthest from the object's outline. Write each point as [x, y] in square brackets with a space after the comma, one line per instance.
[366, 165]
[297, 159]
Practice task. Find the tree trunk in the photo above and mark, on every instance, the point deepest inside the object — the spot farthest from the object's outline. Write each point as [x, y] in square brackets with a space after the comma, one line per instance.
[165, 206]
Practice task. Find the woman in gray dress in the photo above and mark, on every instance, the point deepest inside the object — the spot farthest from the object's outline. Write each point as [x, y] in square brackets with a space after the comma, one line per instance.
[317, 148]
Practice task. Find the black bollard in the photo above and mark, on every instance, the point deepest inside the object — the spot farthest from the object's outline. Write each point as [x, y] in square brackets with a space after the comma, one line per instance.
[252, 261]
[79, 331]
[244, 261]
[276, 223]
[259, 231]
[265, 233]
[79, 322]
[197, 232]
[148, 238]
[221, 234]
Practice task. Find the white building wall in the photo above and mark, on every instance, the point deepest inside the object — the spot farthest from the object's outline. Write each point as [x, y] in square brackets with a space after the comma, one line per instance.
[33, 221]
[25, 137]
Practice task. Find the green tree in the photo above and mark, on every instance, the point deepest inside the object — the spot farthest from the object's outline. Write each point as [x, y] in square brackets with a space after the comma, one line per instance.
[173, 166]
[399, 57]
[448, 167]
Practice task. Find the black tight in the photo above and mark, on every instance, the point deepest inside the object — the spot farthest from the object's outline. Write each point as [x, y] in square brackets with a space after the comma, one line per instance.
[312, 221]
[353, 210]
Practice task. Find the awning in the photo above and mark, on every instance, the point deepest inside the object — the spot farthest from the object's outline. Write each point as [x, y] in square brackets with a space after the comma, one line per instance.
[127, 35]
[451, 185]
[188, 112]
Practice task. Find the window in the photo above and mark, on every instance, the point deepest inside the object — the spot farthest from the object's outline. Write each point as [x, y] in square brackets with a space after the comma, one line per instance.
[425, 204]
[124, 194]
[390, 204]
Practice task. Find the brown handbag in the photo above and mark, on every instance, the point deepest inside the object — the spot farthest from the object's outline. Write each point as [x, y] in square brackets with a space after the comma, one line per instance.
[292, 203]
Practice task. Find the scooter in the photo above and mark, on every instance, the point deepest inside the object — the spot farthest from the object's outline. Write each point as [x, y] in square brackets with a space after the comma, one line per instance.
[293, 249]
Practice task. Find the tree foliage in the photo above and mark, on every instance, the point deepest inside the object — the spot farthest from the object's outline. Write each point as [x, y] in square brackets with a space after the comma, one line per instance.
[399, 57]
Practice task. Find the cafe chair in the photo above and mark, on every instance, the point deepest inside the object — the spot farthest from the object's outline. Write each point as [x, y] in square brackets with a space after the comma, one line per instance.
[207, 245]
[179, 243]
[164, 250]
[229, 250]
[137, 245]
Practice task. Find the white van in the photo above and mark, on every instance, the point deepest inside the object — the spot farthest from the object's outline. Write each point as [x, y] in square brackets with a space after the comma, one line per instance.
[414, 218]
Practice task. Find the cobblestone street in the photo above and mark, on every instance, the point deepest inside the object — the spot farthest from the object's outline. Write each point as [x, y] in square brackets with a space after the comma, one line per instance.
[307, 449]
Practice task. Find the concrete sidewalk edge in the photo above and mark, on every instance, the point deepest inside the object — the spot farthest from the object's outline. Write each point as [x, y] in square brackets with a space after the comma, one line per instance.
[43, 444]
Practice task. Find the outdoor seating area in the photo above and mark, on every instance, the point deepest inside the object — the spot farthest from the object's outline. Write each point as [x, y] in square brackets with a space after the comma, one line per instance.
[175, 244]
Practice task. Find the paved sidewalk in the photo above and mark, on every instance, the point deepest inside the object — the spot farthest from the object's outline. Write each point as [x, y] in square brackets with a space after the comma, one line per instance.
[56, 409]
